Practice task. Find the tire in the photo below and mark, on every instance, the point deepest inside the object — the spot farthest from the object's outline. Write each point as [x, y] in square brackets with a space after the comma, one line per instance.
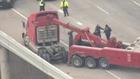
[43, 54]
[90, 63]
[40, 53]
[77, 61]
[48, 58]
[103, 63]
[65, 56]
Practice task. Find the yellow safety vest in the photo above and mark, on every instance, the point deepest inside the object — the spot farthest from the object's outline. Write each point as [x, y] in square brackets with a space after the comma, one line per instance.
[40, 3]
[65, 4]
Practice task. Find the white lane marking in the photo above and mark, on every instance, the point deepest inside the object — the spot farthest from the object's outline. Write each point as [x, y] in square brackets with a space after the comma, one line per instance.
[19, 14]
[102, 9]
[79, 23]
[65, 43]
[98, 7]
[136, 3]
[60, 11]
[113, 74]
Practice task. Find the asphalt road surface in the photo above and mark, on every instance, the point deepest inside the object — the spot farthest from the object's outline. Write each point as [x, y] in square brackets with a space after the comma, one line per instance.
[121, 15]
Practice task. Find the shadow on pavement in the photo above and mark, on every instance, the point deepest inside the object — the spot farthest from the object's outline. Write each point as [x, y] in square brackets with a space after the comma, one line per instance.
[124, 69]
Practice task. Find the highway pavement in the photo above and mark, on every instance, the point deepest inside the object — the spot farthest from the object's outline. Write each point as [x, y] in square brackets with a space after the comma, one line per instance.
[10, 23]
[121, 15]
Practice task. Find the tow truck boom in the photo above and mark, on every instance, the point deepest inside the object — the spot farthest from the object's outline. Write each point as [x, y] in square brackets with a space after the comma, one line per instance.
[82, 33]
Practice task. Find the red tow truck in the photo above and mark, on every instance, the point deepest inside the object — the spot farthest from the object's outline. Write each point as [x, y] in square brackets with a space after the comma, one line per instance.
[85, 49]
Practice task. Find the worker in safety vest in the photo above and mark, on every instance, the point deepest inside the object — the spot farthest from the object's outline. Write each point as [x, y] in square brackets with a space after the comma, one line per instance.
[64, 5]
[42, 5]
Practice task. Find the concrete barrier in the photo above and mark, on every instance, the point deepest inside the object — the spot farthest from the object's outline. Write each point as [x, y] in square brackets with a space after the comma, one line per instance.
[27, 55]
[5, 69]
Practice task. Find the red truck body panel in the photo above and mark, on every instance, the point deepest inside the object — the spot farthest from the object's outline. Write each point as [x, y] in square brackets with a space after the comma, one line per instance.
[111, 50]
[37, 20]
[115, 56]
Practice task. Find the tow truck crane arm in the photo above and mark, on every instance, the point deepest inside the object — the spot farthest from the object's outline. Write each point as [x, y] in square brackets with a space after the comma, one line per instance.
[81, 33]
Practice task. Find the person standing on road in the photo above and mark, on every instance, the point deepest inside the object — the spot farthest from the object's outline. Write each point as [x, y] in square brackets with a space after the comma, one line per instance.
[64, 5]
[97, 30]
[70, 33]
[42, 5]
[107, 31]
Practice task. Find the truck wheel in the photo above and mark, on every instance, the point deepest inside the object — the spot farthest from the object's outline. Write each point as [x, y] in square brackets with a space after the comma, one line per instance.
[65, 56]
[40, 53]
[77, 61]
[103, 63]
[90, 62]
[48, 58]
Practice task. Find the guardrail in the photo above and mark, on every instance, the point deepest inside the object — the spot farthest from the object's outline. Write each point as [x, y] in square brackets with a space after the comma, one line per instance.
[21, 51]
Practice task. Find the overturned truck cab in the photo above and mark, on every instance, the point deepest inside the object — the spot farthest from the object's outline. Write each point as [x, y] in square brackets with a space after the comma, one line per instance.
[42, 37]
